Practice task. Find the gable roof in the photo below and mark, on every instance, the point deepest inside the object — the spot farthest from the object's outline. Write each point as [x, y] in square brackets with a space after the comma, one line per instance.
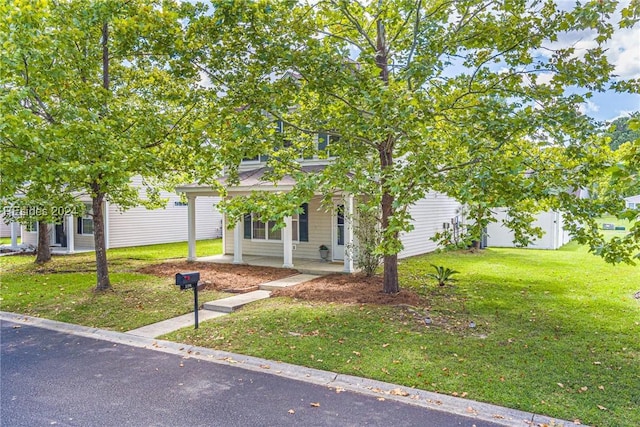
[251, 180]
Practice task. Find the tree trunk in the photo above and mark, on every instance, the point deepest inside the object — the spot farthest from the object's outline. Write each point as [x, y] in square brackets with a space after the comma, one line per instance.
[390, 262]
[43, 253]
[390, 284]
[385, 149]
[102, 268]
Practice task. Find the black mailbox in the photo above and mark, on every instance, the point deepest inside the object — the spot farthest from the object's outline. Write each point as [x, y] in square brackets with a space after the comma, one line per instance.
[187, 280]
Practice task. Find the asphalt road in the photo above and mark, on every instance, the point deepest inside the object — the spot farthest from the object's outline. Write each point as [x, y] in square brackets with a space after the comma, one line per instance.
[52, 378]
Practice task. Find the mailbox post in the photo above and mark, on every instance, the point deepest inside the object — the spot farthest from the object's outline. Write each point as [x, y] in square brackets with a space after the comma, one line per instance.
[190, 281]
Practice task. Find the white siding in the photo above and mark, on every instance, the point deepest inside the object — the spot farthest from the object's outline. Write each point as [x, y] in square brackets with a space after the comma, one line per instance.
[320, 232]
[633, 202]
[141, 226]
[5, 230]
[428, 215]
[28, 238]
[552, 224]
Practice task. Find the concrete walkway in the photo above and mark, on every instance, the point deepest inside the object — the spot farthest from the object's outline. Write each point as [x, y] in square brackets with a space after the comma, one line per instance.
[220, 307]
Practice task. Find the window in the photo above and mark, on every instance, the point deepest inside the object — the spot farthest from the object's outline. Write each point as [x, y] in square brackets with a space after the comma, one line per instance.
[340, 225]
[324, 140]
[265, 231]
[85, 222]
[254, 229]
[31, 227]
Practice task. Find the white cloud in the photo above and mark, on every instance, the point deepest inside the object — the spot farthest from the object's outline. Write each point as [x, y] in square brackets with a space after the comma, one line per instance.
[624, 52]
[588, 107]
[623, 49]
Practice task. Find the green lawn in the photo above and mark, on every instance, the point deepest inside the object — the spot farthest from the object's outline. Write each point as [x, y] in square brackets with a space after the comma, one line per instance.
[556, 333]
[63, 288]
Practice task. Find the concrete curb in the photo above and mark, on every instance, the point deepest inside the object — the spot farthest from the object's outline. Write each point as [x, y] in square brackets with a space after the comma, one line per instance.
[339, 382]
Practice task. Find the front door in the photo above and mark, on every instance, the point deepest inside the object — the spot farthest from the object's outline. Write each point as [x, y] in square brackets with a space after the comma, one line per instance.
[338, 233]
[60, 236]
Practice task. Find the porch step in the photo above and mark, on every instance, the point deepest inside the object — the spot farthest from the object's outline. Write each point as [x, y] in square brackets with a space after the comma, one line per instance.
[228, 305]
[288, 281]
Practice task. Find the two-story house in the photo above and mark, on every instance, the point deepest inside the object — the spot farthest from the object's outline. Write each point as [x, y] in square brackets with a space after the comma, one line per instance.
[317, 225]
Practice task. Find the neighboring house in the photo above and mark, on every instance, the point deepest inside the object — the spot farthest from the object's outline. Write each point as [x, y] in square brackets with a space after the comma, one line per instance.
[5, 230]
[133, 227]
[316, 225]
[551, 223]
[633, 202]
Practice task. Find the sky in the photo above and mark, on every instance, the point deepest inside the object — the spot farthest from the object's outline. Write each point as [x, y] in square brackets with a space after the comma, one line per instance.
[624, 53]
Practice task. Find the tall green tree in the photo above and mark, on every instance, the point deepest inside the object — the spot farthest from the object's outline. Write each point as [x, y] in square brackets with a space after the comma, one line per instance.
[620, 132]
[88, 96]
[437, 95]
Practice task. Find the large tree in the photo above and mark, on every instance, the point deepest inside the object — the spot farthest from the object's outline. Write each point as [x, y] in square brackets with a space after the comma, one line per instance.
[451, 96]
[87, 93]
[620, 132]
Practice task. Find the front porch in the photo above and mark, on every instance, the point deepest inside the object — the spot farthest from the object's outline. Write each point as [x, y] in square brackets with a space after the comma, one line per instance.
[305, 266]
[253, 241]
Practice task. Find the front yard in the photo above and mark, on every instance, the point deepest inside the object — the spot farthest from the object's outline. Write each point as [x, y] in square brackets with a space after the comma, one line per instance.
[555, 332]
[62, 289]
[552, 332]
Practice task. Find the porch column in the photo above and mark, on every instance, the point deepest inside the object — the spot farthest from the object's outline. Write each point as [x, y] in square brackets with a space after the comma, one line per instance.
[71, 233]
[238, 235]
[348, 234]
[14, 234]
[191, 227]
[287, 243]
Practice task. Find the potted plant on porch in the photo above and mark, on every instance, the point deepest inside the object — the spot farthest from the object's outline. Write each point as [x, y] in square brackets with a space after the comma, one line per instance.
[324, 252]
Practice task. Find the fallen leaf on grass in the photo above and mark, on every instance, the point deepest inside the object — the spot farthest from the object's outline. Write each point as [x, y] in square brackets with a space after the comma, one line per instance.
[560, 385]
[602, 408]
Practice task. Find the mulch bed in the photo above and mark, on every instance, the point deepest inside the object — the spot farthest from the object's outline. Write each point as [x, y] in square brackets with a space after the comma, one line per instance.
[333, 288]
[222, 277]
[350, 289]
